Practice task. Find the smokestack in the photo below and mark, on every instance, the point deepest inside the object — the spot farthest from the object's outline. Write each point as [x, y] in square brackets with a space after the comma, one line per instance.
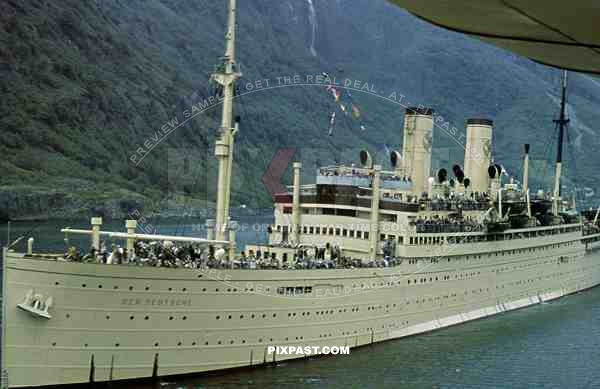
[526, 168]
[416, 147]
[478, 152]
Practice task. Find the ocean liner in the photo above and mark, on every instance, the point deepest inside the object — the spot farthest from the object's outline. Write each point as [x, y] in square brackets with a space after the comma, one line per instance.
[363, 255]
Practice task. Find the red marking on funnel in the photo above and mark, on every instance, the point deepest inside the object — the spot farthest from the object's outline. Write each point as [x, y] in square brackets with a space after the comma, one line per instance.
[274, 173]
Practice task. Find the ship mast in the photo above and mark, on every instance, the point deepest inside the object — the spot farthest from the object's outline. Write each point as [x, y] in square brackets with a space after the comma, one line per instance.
[561, 122]
[226, 75]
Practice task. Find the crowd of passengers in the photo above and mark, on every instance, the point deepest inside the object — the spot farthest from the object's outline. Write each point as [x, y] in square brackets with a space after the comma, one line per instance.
[168, 254]
[357, 173]
[445, 224]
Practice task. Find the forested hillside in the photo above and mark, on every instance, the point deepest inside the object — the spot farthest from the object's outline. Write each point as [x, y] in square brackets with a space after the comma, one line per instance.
[86, 83]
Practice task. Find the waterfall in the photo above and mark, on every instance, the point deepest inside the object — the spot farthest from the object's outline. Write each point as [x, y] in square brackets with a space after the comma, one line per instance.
[312, 19]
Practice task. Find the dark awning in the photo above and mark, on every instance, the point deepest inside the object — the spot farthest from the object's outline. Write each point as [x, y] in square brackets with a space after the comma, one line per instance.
[564, 34]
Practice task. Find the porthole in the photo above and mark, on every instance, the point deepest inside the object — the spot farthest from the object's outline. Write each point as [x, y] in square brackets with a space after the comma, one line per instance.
[274, 315]
[179, 343]
[117, 344]
[67, 316]
[219, 342]
[218, 317]
[156, 344]
[85, 345]
[193, 343]
[83, 285]
[53, 343]
[115, 287]
[199, 275]
[204, 289]
[184, 289]
[241, 316]
[184, 318]
[147, 288]
[229, 317]
[131, 317]
[264, 315]
[231, 342]
[131, 288]
[99, 286]
[170, 317]
[57, 283]
[107, 317]
[260, 340]
[243, 340]
[252, 317]
[216, 290]
[170, 289]
[146, 317]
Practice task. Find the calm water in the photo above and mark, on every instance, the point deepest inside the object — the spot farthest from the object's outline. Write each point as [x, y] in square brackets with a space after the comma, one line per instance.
[552, 345]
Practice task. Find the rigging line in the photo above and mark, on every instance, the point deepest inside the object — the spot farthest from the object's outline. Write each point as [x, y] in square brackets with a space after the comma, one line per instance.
[548, 153]
[575, 171]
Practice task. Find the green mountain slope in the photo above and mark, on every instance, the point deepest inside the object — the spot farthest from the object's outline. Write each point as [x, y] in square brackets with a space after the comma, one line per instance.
[85, 84]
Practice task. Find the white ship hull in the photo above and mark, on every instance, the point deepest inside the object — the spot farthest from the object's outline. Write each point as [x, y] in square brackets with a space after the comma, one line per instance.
[139, 322]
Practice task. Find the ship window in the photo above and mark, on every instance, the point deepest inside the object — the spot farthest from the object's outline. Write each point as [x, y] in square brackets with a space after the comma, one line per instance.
[289, 290]
[366, 234]
[307, 289]
[330, 231]
[304, 230]
[344, 232]
[359, 234]
[311, 230]
[280, 290]
[287, 209]
[299, 290]
[278, 228]
[401, 239]
[337, 232]
[381, 236]
[351, 233]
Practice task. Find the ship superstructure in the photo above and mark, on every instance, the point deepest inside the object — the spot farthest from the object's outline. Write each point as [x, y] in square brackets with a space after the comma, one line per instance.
[360, 211]
[363, 255]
